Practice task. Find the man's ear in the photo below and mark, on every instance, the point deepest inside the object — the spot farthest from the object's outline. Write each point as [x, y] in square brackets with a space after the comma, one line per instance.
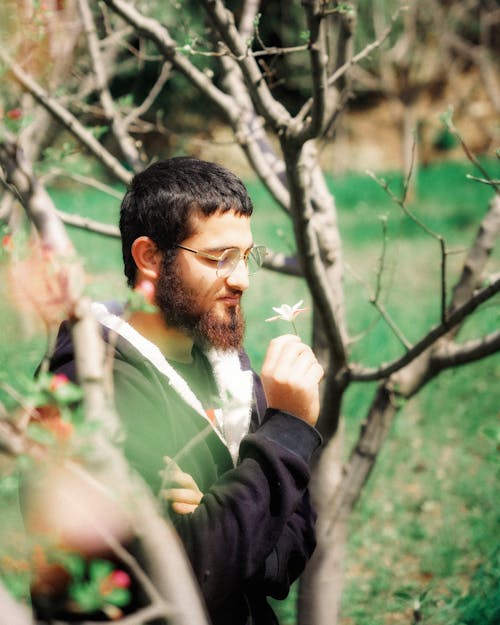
[147, 257]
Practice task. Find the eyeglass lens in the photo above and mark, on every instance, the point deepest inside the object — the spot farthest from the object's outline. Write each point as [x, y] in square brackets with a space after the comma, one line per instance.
[230, 258]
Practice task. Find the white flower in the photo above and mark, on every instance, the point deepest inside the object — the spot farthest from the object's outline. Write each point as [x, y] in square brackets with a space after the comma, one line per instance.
[286, 312]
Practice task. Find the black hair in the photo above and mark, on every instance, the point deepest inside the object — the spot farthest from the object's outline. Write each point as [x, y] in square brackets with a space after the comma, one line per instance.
[161, 200]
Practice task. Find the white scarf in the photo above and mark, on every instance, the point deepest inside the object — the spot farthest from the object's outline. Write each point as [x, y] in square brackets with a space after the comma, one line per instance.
[233, 384]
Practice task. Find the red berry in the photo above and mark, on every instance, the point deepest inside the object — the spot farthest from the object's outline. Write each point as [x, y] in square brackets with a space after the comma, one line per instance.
[8, 242]
[120, 579]
[14, 113]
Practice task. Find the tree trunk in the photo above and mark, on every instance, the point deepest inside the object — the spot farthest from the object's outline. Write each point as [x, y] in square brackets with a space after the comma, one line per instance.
[321, 584]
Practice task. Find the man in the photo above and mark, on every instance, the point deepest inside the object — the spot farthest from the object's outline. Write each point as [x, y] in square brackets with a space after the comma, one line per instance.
[184, 389]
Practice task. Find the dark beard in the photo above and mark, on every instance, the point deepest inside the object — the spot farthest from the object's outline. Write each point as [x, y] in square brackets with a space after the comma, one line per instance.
[179, 308]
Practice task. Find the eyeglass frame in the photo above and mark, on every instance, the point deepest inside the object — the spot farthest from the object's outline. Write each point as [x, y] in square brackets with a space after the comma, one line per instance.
[243, 256]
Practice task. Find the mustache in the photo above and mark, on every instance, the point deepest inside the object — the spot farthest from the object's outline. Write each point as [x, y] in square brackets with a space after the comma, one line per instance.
[229, 292]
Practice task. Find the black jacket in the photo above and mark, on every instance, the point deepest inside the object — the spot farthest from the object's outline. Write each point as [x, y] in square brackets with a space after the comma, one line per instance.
[253, 531]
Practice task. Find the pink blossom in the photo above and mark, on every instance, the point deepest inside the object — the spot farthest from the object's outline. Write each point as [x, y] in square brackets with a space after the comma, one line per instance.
[59, 379]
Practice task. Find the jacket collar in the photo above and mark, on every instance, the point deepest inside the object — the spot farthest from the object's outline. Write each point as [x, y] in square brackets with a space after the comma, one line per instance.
[234, 384]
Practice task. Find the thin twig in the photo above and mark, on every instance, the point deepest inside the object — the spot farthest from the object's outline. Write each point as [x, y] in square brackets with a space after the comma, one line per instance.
[472, 158]
[492, 182]
[152, 95]
[86, 180]
[366, 374]
[439, 238]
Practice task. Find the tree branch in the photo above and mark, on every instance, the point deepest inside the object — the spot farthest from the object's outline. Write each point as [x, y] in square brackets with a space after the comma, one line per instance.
[273, 111]
[453, 354]
[478, 254]
[314, 125]
[85, 223]
[167, 46]
[250, 133]
[67, 119]
[124, 140]
[152, 95]
[307, 238]
[454, 318]
[248, 14]
[13, 612]
[288, 265]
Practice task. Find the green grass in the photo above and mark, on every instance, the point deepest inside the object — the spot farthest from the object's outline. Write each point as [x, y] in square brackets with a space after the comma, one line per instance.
[428, 519]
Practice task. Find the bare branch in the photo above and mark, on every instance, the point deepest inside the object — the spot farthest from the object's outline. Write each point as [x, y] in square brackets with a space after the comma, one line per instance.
[152, 95]
[251, 135]
[401, 202]
[248, 15]
[13, 612]
[367, 50]
[491, 183]
[447, 119]
[319, 58]
[85, 180]
[375, 295]
[273, 111]
[124, 140]
[288, 265]
[307, 237]
[67, 119]
[85, 223]
[160, 36]
[34, 197]
[479, 253]
[453, 354]
[452, 320]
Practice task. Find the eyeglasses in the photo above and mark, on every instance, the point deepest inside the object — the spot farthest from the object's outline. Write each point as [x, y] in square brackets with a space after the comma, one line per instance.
[229, 259]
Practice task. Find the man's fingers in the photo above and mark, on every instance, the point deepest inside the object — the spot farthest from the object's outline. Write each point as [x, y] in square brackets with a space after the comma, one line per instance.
[182, 495]
[276, 351]
[183, 508]
[290, 376]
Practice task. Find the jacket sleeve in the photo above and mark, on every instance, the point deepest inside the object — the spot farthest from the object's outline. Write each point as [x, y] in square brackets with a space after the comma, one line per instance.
[253, 511]
[290, 555]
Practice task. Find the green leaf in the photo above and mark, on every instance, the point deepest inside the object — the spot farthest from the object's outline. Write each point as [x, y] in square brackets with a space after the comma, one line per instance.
[68, 393]
[99, 569]
[99, 131]
[119, 597]
[86, 596]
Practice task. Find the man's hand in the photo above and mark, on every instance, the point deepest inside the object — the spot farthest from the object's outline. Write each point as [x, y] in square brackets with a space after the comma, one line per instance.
[291, 375]
[182, 493]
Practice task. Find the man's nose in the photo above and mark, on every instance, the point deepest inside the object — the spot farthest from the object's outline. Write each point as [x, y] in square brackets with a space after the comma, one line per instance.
[239, 276]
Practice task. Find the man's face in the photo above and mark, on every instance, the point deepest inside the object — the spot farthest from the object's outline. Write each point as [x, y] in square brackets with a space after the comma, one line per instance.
[191, 295]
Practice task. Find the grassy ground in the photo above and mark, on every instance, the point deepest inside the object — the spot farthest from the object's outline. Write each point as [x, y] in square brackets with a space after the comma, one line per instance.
[429, 517]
